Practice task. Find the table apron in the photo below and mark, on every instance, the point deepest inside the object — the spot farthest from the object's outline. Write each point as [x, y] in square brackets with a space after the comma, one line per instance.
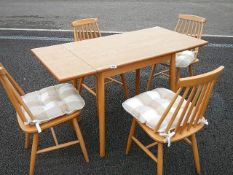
[135, 65]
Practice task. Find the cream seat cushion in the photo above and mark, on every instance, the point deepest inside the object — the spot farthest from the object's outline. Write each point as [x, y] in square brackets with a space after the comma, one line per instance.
[185, 58]
[52, 102]
[149, 106]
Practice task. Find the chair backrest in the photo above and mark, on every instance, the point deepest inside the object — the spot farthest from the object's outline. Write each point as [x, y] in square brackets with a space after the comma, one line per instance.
[195, 92]
[14, 93]
[190, 25]
[86, 29]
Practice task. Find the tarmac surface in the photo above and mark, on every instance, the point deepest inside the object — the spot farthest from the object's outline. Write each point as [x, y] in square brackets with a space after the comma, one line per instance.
[215, 141]
[115, 15]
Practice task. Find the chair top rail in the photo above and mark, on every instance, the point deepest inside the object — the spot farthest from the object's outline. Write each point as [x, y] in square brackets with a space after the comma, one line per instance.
[86, 21]
[192, 17]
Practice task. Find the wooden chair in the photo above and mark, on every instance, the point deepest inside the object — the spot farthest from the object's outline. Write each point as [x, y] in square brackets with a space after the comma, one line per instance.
[87, 29]
[189, 25]
[181, 119]
[15, 94]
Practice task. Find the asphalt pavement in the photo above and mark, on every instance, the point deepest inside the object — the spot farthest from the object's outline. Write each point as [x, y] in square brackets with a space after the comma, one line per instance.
[115, 15]
[215, 141]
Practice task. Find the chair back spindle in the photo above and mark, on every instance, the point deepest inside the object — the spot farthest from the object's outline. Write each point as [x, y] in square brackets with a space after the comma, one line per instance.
[189, 102]
[190, 25]
[86, 29]
[14, 93]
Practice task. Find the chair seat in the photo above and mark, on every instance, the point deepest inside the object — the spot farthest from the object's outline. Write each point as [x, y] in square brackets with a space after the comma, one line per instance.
[149, 106]
[52, 102]
[184, 59]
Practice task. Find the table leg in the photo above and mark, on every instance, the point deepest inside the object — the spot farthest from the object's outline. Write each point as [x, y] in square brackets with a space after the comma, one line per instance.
[172, 73]
[101, 112]
[137, 81]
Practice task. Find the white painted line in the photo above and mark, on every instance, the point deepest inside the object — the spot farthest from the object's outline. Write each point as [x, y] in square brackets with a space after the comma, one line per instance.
[218, 36]
[108, 32]
[38, 30]
[220, 45]
[20, 37]
[48, 30]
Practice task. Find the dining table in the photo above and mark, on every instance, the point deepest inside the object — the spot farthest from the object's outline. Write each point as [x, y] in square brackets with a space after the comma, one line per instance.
[113, 55]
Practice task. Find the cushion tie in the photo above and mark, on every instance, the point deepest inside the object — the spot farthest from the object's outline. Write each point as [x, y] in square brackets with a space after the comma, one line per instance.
[167, 137]
[37, 123]
[203, 121]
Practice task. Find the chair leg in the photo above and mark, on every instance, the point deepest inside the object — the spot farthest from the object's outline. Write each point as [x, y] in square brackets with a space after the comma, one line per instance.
[80, 84]
[131, 134]
[27, 140]
[190, 70]
[80, 138]
[54, 135]
[195, 153]
[151, 77]
[33, 153]
[178, 72]
[124, 85]
[74, 82]
[160, 159]
[137, 81]
[96, 100]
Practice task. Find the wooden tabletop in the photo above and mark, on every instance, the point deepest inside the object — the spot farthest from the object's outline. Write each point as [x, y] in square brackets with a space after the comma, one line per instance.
[62, 63]
[75, 59]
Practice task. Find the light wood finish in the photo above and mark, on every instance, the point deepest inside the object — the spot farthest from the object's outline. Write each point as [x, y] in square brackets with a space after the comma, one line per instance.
[85, 29]
[101, 112]
[195, 153]
[151, 76]
[63, 64]
[190, 25]
[130, 47]
[33, 153]
[160, 159]
[75, 84]
[149, 153]
[27, 140]
[137, 81]
[172, 72]
[131, 134]
[54, 135]
[127, 52]
[196, 90]
[151, 145]
[80, 138]
[88, 29]
[14, 93]
[56, 147]
[186, 140]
